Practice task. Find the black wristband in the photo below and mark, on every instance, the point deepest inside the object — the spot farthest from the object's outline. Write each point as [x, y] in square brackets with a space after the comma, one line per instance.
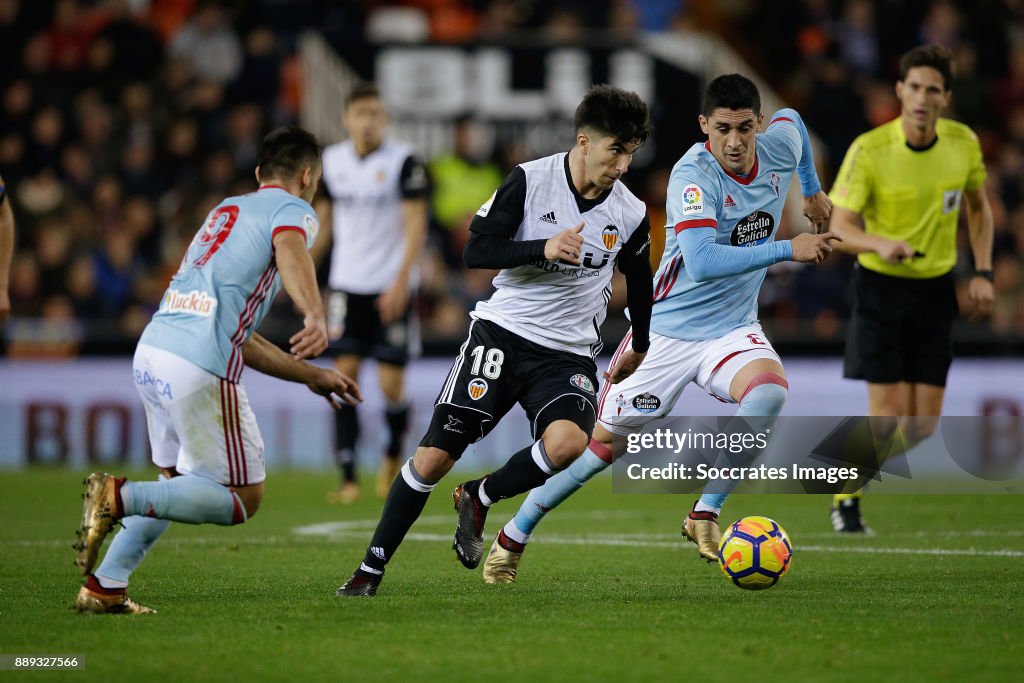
[989, 275]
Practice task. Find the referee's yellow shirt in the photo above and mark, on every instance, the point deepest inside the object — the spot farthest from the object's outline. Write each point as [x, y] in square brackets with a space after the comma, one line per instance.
[910, 195]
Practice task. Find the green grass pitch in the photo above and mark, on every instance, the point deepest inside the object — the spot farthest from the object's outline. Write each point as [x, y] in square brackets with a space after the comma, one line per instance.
[607, 591]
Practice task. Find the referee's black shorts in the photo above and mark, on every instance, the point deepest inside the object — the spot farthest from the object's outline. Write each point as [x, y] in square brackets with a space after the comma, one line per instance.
[496, 369]
[901, 329]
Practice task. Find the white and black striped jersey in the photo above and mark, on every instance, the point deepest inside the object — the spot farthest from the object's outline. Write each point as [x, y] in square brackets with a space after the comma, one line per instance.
[366, 194]
[553, 303]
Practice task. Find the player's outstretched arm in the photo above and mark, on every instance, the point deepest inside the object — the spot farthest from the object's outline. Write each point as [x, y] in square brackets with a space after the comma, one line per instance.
[808, 248]
[299, 279]
[706, 260]
[849, 225]
[261, 355]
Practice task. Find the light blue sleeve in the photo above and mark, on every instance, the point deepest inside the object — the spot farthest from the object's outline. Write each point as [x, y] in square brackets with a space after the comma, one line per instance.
[691, 196]
[809, 184]
[705, 259]
[296, 214]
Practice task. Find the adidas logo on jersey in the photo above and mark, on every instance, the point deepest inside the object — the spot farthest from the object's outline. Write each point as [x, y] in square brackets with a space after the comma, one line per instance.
[729, 202]
[549, 217]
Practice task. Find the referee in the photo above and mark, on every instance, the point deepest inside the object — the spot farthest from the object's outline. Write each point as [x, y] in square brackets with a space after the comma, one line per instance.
[897, 205]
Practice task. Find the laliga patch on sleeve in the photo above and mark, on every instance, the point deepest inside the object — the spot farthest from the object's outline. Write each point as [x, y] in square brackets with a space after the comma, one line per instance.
[693, 200]
[486, 208]
[311, 226]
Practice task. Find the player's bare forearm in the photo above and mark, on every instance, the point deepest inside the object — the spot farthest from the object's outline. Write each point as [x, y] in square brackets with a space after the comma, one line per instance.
[850, 226]
[393, 302]
[260, 354]
[6, 251]
[325, 238]
[297, 272]
[299, 279]
[853, 239]
[980, 227]
[414, 218]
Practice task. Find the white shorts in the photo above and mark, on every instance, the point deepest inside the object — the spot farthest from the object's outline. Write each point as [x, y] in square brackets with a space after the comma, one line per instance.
[653, 390]
[198, 423]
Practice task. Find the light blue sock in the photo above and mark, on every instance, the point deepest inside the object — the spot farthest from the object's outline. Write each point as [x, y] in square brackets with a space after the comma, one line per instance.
[711, 502]
[187, 498]
[128, 549]
[545, 498]
[759, 409]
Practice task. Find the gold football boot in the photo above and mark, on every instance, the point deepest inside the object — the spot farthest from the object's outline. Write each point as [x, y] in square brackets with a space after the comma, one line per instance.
[115, 602]
[99, 514]
[501, 564]
[702, 529]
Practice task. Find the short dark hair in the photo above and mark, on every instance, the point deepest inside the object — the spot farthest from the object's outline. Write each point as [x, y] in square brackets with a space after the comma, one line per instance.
[934, 55]
[362, 91]
[286, 151]
[731, 91]
[614, 112]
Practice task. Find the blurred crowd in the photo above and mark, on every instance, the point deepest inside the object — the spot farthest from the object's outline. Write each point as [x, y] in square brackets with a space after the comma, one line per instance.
[122, 122]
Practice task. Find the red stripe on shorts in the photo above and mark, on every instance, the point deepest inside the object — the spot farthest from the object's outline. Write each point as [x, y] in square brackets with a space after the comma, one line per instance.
[227, 433]
[623, 345]
[238, 433]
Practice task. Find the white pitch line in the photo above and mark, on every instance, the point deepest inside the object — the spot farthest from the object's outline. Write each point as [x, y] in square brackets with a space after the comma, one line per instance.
[972, 552]
[968, 533]
[353, 529]
[357, 530]
[622, 540]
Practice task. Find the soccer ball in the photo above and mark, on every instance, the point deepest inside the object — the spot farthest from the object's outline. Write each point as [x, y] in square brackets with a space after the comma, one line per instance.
[755, 552]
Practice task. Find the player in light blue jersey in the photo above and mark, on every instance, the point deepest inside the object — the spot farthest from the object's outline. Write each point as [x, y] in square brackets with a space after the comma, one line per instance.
[725, 199]
[189, 362]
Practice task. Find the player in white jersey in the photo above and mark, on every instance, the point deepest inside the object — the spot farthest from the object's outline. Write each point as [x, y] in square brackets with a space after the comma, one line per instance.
[556, 228]
[189, 363]
[725, 199]
[378, 221]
